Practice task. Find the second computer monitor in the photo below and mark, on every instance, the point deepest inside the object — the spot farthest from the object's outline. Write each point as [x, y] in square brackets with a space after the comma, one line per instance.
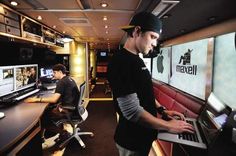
[46, 73]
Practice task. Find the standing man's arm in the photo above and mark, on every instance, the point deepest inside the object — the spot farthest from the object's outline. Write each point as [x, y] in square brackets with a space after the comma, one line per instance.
[170, 113]
[134, 112]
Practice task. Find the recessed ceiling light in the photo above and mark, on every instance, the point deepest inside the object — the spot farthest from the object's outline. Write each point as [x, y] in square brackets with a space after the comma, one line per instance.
[39, 18]
[104, 18]
[14, 3]
[106, 26]
[104, 4]
[54, 26]
[106, 32]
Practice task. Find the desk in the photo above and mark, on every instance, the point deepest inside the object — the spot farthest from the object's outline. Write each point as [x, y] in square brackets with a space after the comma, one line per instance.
[21, 127]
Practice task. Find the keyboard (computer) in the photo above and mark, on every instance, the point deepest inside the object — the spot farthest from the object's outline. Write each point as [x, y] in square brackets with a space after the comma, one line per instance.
[27, 94]
[189, 136]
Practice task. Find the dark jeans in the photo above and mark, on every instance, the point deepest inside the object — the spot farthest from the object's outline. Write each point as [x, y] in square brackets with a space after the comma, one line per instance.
[50, 116]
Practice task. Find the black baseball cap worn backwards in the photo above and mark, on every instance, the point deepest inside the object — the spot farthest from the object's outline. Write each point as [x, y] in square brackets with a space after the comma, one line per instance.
[146, 21]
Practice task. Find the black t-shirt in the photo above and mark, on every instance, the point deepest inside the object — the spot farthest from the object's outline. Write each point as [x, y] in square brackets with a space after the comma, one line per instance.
[68, 90]
[128, 74]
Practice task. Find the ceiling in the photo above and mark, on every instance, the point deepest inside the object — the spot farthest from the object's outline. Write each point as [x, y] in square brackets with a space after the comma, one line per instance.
[82, 19]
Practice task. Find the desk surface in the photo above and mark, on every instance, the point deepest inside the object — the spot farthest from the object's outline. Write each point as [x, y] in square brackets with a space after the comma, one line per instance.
[19, 119]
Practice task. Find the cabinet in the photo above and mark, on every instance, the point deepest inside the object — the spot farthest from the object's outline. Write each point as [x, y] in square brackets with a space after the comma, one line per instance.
[59, 40]
[9, 22]
[32, 30]
[15, 25]
[49, 36]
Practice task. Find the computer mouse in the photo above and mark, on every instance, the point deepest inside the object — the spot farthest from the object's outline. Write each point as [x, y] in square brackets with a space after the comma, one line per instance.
[2, 115]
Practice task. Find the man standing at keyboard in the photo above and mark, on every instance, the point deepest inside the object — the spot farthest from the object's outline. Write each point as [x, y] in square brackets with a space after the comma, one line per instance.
[132, 89]
[63, 95]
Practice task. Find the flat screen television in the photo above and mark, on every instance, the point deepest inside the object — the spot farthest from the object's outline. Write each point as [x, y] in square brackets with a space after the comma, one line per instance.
[17, 77]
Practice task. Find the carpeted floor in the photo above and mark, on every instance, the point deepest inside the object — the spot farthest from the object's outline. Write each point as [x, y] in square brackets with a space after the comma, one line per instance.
[100, 91]
[102, 122]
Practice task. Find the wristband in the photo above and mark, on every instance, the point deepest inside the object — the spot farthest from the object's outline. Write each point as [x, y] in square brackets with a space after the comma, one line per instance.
[161, 109]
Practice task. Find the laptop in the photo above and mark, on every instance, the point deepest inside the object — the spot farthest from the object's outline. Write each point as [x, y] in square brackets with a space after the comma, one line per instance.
[207, 126]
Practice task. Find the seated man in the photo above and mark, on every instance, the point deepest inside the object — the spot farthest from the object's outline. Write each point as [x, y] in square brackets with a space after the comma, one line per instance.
[64, 95]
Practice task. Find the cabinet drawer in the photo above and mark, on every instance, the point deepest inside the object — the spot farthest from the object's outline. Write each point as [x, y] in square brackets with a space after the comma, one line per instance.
[11, 14]
[2, 19]
[11, 22]
[13, 31]
[2, 28]
[1, 10]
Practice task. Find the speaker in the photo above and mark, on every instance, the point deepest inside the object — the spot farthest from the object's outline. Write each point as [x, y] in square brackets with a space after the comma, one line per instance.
[26, 54]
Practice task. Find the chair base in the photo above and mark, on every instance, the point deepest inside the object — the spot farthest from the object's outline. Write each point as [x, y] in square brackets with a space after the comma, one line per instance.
[76, 134]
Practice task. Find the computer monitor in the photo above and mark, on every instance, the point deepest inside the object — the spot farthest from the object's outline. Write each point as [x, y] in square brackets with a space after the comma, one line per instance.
[46, 73]
[26, 76]
[6, 80]
[17, 77]
[103, 54]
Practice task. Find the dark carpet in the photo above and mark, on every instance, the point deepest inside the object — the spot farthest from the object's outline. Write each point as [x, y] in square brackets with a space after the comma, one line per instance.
[102, 122]
[99, 91]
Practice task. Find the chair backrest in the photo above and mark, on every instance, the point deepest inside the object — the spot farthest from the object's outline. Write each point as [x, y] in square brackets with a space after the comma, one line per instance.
[81, 90]
[81, 110]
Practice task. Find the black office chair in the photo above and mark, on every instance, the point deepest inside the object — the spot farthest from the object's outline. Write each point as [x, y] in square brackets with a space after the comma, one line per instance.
[77, 115]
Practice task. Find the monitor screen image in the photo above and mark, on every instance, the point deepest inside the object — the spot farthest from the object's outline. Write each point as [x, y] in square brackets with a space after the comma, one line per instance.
[6, 80]
[103, 53]
[46, 72]
[26, 76]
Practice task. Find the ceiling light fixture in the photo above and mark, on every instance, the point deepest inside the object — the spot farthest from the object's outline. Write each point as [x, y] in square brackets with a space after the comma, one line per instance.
[163, 7]
[104, 4]
[67, 39]
[104, 18]
[106, 26]
[14, 3]
[39, 18]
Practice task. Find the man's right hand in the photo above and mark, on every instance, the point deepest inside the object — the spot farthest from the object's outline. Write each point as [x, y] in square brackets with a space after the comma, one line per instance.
[179, 126]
